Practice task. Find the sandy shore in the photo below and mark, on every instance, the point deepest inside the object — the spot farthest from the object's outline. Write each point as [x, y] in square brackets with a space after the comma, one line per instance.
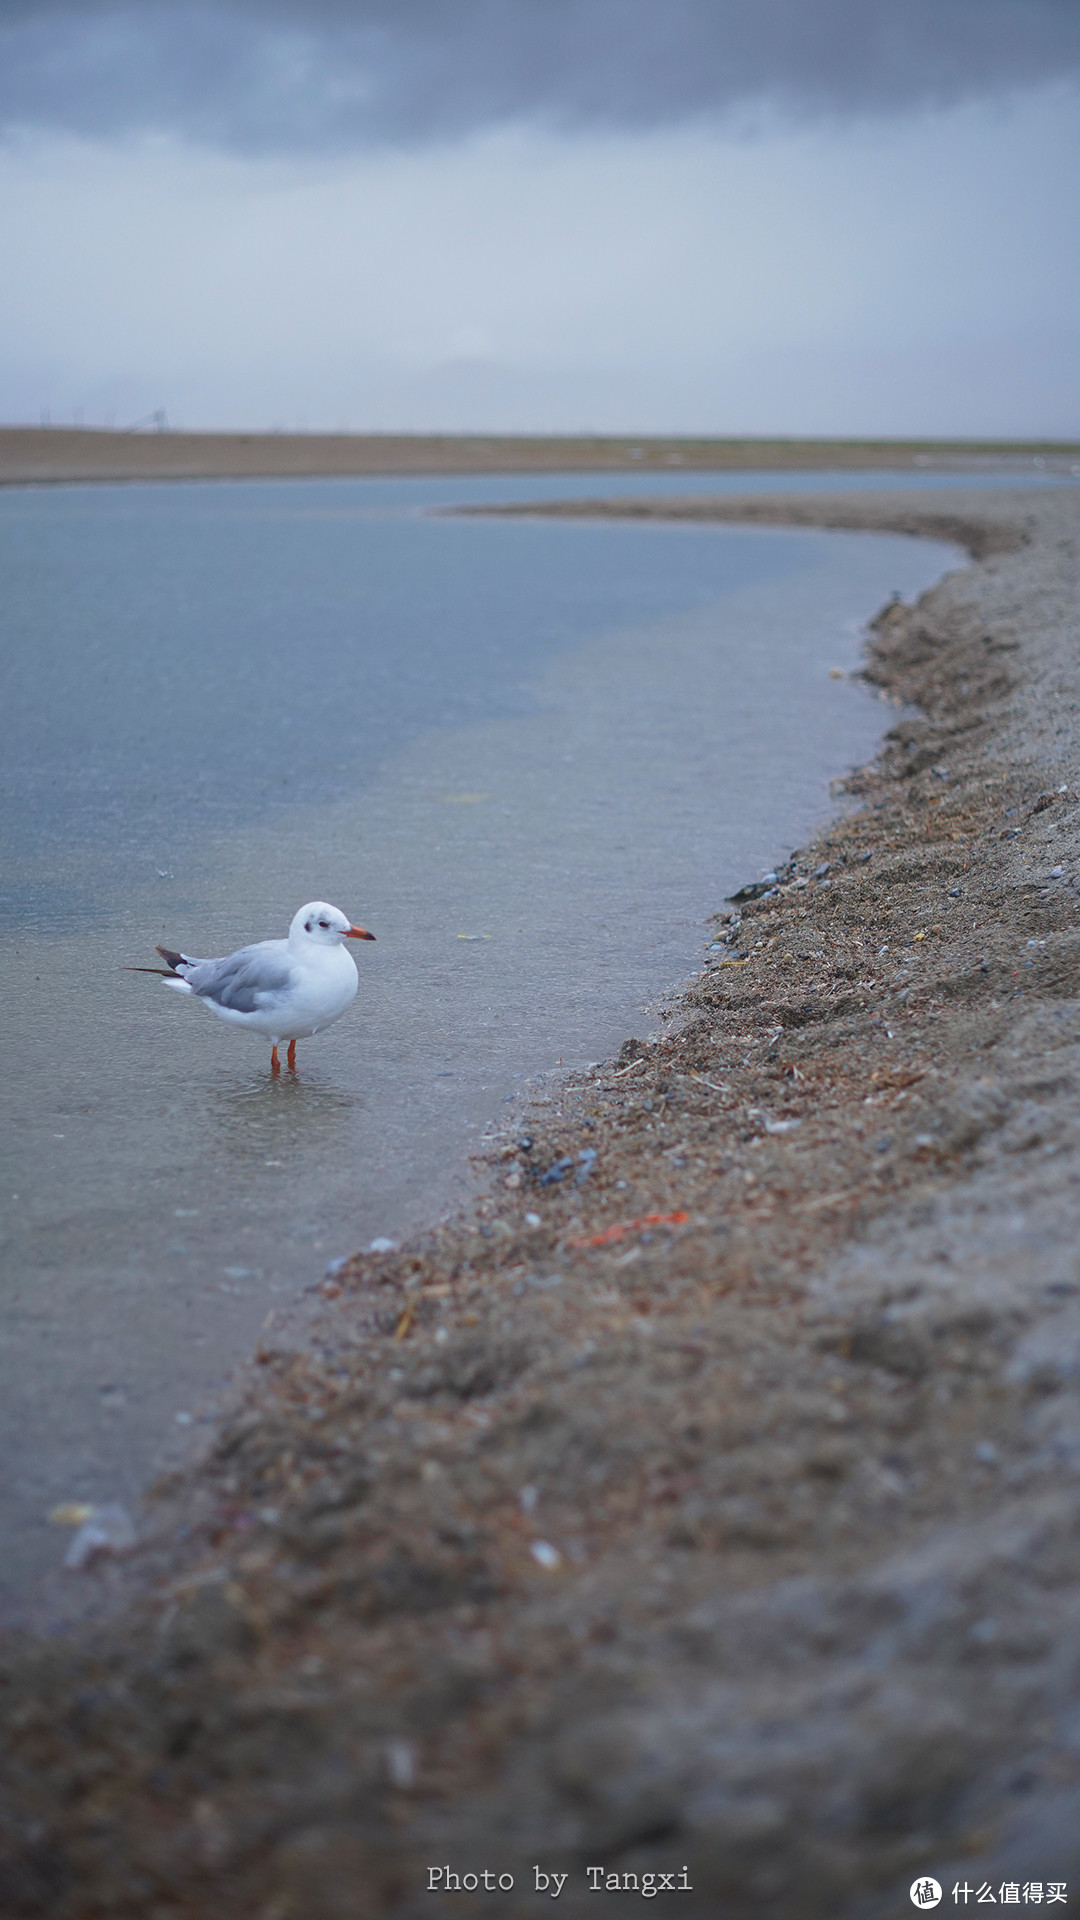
[708, 1499]
[54, 455]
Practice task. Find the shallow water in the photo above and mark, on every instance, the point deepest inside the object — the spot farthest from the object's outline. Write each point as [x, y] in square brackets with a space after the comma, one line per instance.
[531, 756]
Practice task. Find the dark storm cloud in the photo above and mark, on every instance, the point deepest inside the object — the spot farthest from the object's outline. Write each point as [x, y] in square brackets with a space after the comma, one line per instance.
[331, 73]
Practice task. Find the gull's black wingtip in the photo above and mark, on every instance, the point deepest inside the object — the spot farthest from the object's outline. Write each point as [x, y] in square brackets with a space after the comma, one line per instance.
[168, 972]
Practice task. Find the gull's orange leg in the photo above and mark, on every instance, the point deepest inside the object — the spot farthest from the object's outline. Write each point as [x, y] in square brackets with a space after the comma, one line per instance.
[275, 1063]
[291, 1056]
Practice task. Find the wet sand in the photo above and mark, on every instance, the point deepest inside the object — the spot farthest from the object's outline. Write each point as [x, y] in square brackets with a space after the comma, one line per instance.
[706, 1497]
[57, 455]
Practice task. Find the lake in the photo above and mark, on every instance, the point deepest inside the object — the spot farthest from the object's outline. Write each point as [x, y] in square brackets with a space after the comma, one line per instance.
[531, 756]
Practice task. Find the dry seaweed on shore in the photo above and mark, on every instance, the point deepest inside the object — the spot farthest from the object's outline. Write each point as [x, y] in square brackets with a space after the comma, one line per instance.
[708, 1496]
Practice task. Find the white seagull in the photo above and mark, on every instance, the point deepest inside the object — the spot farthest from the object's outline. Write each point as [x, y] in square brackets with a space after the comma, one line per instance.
[285, 989]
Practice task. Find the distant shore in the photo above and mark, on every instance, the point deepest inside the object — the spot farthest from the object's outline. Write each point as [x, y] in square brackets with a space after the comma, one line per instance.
[54, 456]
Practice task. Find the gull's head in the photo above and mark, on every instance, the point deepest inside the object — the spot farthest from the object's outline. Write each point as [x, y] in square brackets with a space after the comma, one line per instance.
[327, 926]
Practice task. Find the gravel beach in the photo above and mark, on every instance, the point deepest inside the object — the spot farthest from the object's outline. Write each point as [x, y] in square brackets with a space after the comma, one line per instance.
[706, 1502]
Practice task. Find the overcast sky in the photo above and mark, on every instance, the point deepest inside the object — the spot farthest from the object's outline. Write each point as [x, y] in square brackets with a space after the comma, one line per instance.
[811, 216]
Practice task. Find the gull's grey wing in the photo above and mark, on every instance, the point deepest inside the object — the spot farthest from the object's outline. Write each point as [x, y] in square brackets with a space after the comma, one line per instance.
[244, 982]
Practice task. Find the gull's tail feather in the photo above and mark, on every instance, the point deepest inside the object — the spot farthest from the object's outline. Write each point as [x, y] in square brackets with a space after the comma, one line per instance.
[172, 960]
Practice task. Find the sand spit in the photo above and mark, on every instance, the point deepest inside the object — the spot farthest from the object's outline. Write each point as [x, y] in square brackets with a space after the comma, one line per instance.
[706, 1503]
[43, 456]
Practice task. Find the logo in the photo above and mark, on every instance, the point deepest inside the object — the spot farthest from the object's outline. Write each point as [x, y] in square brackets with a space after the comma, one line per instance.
[925, 1892]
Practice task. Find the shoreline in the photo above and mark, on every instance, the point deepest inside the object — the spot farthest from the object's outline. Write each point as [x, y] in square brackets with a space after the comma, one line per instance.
[62, 456]
[802, 1618]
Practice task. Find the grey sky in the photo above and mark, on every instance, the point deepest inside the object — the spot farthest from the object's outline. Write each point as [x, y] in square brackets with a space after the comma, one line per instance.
[272, 74]
[810, 216]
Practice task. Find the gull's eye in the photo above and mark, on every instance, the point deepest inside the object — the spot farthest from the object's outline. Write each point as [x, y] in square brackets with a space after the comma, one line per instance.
[325, 924]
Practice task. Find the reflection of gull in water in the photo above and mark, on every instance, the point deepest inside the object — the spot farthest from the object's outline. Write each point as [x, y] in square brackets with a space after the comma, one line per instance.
[284, 989]
[289, 1145]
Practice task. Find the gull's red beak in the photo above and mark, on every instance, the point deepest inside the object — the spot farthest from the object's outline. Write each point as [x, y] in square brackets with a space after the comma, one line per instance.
[359, 933]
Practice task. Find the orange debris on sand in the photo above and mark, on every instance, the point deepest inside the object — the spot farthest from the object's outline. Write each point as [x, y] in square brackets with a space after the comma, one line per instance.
[611, 1234]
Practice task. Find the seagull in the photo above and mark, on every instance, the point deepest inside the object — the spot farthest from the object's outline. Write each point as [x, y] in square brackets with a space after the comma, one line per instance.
[286, 989]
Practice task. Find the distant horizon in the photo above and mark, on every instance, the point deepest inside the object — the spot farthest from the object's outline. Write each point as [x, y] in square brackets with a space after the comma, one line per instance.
[69, 454]
[991, 442]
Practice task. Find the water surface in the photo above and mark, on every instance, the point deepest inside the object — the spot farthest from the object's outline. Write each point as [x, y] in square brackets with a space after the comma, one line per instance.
[531, 756]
